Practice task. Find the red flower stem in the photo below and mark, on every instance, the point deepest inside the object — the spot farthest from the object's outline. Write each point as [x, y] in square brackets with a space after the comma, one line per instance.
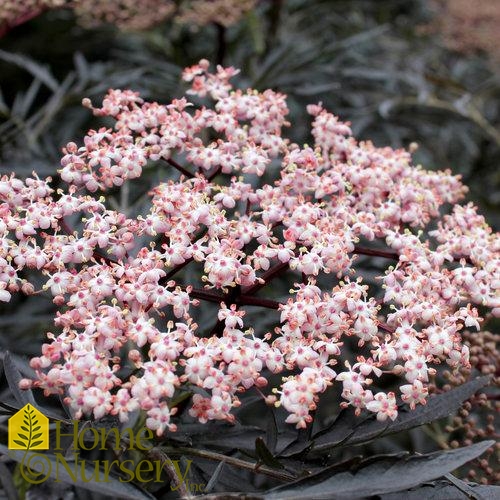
[65, 227]
[217, 298]
[267, 277]
[385, 327]
[198, 293]
[180, 168]
[248, 300]
[175, 270]
[376, 253]
[214, 174]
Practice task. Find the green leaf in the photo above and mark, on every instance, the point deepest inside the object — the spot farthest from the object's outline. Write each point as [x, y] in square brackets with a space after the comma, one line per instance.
[36, 443]
[20, 443]
[378, 475]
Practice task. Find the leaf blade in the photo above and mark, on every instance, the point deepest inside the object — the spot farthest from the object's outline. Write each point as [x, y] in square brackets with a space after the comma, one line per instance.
[382, 475]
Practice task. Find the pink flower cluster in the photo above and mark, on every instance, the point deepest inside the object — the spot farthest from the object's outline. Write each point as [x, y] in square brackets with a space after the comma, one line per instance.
[248, 205]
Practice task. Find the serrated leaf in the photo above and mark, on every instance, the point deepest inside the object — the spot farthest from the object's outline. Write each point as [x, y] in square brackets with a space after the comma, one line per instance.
[343, 433]
[378, 475]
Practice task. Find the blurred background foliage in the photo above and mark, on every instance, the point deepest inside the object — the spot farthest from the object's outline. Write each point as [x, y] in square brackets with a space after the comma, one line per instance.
[402, 71]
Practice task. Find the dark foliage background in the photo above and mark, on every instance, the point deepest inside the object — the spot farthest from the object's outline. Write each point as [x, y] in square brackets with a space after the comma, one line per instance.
[376, 63]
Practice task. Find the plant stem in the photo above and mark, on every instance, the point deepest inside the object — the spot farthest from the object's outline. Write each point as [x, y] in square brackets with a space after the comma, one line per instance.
[267, 277]
[236, 462]
[155, 454]
[180, 168]
[213, 174]
[376, 253]
[217, 298]
[248, 300]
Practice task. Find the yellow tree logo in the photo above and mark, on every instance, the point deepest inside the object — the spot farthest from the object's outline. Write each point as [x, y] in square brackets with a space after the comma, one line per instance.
[28, 430]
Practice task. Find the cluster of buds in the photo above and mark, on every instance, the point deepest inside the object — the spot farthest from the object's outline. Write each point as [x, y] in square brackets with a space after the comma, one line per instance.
[476, 419]
[244, 205]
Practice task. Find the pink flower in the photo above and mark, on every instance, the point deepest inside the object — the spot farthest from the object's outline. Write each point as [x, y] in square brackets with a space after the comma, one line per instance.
[384, 405]
[414, 394]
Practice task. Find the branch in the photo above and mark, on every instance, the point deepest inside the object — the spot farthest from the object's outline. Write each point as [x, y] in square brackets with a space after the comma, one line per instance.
[248, 300]
[385, 327]
[175, 270]
[155, 454]
[245, 300]
[180, 168]
[267, 276]
[199, 293]
[376, 253]
[236, 462]
[213, 174]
